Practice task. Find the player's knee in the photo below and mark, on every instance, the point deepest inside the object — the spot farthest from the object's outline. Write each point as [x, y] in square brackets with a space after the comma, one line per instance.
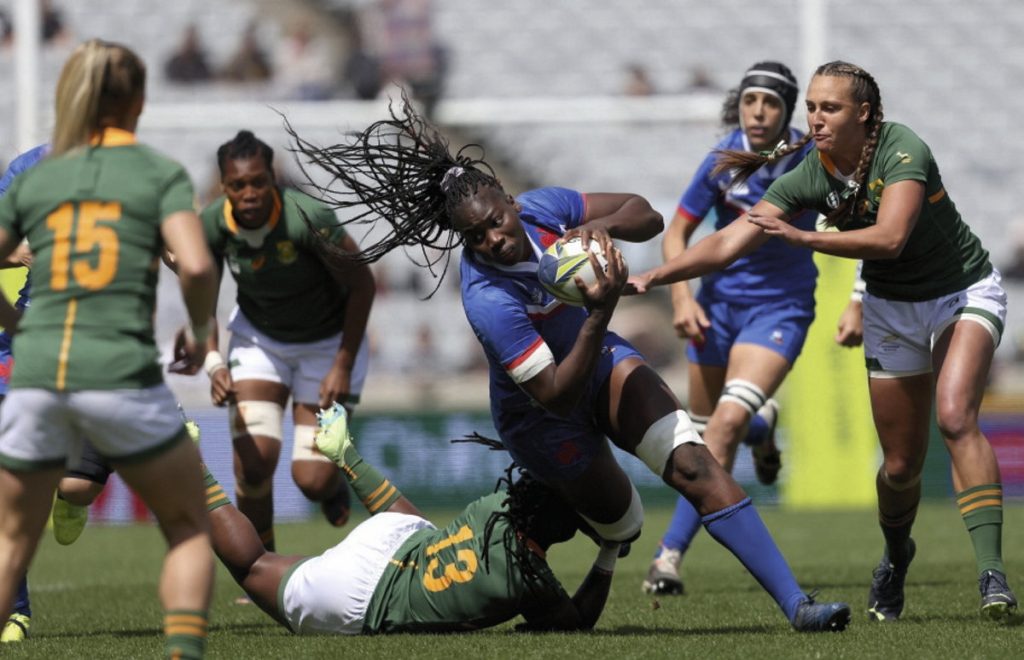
[80, 492]
[902, 476]
[256, 418]
[627, 527]
[955, 420]
[317, 480]
[661, 439]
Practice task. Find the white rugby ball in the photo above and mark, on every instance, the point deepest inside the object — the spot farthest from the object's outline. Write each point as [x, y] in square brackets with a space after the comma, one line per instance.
[562, 262]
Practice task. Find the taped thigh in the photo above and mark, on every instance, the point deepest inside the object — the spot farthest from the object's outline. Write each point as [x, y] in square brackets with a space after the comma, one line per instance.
[626, 528]
[262, 418]
[662, 437]
[303, 447]
[744, 393]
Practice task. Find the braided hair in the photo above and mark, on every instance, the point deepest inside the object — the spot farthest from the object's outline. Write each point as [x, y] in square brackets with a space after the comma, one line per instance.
[532, 510]
[399, 170]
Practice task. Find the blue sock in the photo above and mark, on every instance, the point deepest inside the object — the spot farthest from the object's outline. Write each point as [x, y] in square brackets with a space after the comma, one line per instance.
[684, 526]
[21, 604]
[757, 432]
[740, 529]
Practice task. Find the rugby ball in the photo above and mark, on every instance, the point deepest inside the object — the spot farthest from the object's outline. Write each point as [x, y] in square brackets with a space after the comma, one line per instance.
[562, 262]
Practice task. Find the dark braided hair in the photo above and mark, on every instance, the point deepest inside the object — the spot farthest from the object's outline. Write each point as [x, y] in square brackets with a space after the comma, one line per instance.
[245, 145]
[532, 510]
[400, 170]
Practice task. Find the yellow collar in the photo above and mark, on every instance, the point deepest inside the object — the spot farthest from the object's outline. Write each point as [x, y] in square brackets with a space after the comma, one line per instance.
[275, 216]
[112, 137]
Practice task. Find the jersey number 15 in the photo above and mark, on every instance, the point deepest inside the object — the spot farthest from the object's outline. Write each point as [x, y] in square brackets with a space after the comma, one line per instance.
[78, 223]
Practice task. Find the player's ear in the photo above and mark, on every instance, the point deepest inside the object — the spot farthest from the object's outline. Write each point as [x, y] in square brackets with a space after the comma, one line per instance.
[512, 200]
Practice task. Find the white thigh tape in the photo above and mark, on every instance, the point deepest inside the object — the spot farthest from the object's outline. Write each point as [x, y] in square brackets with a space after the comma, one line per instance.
[662, 437]
[744, 393]
[262, 418]
[303, 447]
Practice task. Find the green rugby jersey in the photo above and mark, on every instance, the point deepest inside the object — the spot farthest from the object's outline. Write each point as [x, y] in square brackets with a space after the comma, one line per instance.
[283, 287]
[438, 580]
[92, 218]
[942, 254]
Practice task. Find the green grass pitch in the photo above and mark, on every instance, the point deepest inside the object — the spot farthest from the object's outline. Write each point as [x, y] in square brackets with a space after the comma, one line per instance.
[97, 599]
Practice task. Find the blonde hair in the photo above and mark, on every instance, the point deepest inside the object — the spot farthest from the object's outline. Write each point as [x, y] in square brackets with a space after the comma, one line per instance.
[97, 86]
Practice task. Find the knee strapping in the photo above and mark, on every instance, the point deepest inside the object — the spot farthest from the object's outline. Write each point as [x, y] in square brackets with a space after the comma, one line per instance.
[898, 486]
[662, 437]
[262, 418]
[303, 447]
[626, 528]
[744, 393]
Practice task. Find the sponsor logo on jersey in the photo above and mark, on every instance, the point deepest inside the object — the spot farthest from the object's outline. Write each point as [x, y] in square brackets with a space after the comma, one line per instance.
[832, 200]
[286, 252]
[776, 337]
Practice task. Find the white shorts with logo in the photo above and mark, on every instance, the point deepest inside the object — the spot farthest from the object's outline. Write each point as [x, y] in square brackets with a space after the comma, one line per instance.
[41, 428]
[300, 366]
[330, 594]
[899, 336]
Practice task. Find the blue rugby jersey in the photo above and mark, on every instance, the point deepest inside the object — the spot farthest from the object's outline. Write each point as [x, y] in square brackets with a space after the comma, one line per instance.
[514, 317]
[21, 163]
[774, 271]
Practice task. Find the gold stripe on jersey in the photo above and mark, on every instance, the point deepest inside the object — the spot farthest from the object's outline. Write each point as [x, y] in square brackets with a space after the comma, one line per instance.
[934, 197]
[275, 215]
[65, 343]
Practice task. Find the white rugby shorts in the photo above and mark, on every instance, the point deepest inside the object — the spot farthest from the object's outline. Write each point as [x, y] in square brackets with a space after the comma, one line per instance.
[300, 366]
[330, 593]
[899, 336]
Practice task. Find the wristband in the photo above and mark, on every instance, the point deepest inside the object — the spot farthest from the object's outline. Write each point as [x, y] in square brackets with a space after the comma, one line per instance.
[606, 557]
[213, 363]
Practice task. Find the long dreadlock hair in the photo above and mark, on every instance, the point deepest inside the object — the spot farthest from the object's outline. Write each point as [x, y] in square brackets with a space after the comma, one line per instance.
[531, 508]
[398, 173]
[864, 89]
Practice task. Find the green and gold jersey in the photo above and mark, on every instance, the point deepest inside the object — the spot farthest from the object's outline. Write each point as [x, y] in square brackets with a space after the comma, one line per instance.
[284, 289]
[439, 580]
[941, 256]
[92, 218]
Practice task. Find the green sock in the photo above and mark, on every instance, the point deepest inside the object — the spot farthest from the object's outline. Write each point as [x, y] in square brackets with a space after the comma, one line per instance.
[981, 507]
[185, 631]
[375, 491]
[215, 496]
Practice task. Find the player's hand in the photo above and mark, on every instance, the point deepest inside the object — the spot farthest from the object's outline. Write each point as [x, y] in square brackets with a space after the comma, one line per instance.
[586, 235]
[773, 226]
[335, 386]
[850, 332]
[604, 293]
[637, 285]
[187, 358]
[689, 319]
[222, 388]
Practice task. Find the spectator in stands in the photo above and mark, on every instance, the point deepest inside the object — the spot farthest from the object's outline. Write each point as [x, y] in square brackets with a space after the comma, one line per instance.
[934, 309]
[638, 82]
[188, 64]
[53, 28]
[560, 381]
[249, 62]
[400, 34]
[307, 64]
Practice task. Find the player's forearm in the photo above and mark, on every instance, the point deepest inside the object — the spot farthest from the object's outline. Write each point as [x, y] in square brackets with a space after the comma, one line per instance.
[635, 221]
[572, 375]
[592, 594]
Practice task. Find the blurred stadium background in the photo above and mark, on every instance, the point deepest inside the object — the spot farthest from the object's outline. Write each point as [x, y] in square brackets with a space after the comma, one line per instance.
[546, 88]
